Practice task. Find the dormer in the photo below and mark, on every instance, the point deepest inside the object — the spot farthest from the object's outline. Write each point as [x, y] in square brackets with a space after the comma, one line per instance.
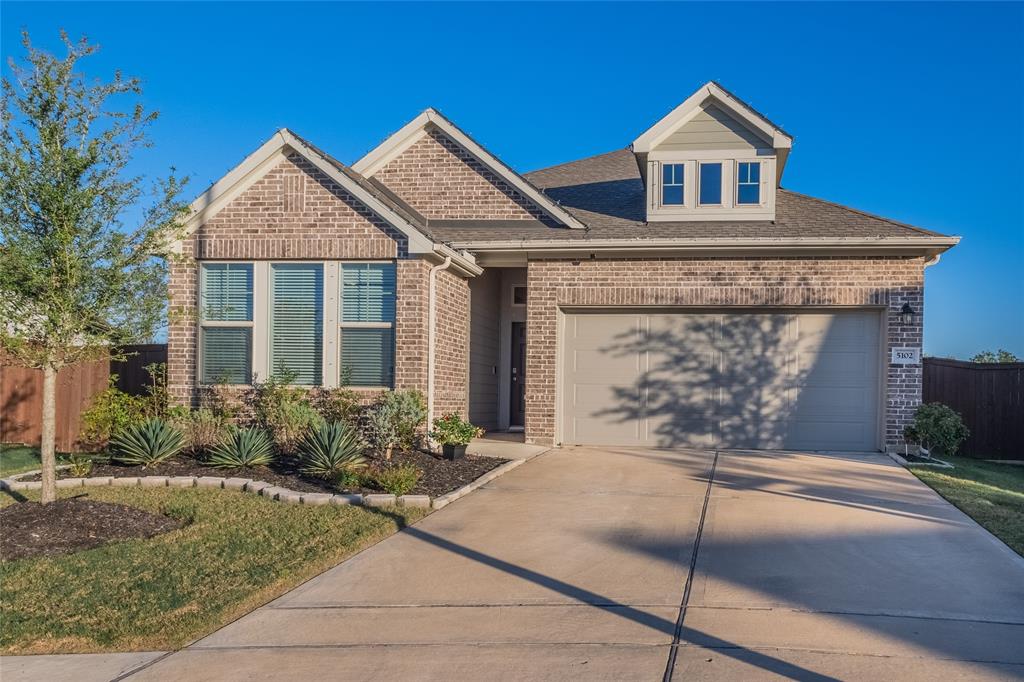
[712, 158]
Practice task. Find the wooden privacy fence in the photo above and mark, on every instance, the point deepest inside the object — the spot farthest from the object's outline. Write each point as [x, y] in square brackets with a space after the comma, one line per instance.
[989, 397]
[21, 394]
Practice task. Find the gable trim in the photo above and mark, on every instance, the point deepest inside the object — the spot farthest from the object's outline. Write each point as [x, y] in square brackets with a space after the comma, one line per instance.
[269, 154]
[416, 129]
[685, 112]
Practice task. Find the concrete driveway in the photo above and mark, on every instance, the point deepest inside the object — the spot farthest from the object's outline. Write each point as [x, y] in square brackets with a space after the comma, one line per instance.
[577, 565]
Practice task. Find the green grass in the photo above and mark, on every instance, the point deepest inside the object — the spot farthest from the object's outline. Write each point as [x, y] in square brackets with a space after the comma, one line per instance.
[15, 459]
[239, 551]
[991, 494]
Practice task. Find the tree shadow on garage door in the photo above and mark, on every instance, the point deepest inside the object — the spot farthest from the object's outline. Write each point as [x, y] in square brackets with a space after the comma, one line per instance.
[740, 380]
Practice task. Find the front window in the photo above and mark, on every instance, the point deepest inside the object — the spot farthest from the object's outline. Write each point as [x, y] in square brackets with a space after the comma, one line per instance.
[296, 322]
[225, 319]
[711, 184]
[367, 327]
[748, 182]
[672, 184]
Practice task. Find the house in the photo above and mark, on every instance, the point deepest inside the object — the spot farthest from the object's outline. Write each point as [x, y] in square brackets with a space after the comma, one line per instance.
[671, 293]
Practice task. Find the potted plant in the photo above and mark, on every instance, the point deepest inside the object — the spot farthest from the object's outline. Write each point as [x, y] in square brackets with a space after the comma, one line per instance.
[454, 434]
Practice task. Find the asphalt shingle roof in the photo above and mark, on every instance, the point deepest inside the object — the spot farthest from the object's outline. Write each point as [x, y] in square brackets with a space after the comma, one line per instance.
[605, 192]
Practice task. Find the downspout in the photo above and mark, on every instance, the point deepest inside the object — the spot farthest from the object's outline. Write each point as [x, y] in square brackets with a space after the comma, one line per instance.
[432, 340]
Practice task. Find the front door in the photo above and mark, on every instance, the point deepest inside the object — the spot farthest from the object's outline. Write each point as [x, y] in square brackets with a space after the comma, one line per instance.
[517, 401]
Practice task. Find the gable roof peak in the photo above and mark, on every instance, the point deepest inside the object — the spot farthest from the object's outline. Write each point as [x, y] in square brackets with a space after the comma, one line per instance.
[414, 130]
[696, 102]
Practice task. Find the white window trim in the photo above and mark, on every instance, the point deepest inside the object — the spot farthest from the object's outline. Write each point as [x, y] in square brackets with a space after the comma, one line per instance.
[202, 323]
[761, 185]
[340, 326]
[259, 362]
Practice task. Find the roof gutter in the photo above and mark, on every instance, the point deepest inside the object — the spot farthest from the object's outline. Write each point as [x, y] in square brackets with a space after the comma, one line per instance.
[462, 262]
[927, 245]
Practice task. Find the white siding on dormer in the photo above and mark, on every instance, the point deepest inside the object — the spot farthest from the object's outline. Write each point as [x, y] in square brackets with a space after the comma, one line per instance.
[712, 128]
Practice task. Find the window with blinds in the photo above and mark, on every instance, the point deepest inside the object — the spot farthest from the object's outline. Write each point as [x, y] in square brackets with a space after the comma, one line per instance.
[367, 324]
[226, 301]
[296, 322]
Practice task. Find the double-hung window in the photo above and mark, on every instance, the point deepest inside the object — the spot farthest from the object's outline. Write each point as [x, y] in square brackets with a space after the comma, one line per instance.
[367, 324]
[297, 322]
[225, 323]
[672, 184]
[748, 183]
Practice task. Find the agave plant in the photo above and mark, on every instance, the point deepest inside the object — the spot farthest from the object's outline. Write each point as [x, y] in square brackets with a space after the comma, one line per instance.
[243, 448]
[146, 443]
[330, 451]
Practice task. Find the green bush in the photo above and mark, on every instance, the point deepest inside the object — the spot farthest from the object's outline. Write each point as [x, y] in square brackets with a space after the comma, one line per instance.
[79, 466]
[243, 448]
[938, 428]
[111, 411]
[395, 421]
[337, 405]
[147, 443]
[283, 411]
[202, 429]
[397, 479]
[330, 450]
[451, 429]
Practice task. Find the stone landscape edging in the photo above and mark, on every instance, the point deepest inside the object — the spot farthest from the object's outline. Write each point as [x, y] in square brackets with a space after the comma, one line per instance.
[263, 489]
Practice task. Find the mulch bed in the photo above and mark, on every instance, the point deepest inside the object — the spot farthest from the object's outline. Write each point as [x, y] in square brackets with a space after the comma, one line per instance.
[70, 525]
[440, 475]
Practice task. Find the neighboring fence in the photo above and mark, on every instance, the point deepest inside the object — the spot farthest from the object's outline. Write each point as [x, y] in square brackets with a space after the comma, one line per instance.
[132, 376]
[989, 397]
[21, 394]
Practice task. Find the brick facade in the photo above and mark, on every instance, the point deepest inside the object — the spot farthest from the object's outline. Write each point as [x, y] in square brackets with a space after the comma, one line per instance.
[451, 364]
[294, 212]
[886, 283]
[443, 181]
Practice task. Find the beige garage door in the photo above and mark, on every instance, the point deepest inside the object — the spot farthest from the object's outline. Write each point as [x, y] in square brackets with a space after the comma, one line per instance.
[725, 380]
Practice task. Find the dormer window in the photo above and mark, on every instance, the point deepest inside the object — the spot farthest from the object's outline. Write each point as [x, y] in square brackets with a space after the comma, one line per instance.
[672, 184]
[710, 189]
[748, 183]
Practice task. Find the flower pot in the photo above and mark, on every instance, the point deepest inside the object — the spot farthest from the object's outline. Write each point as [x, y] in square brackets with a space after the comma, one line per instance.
[451, 451]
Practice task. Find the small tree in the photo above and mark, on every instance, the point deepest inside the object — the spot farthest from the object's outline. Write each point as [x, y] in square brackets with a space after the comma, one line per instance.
[1000, 355]
[75, 283]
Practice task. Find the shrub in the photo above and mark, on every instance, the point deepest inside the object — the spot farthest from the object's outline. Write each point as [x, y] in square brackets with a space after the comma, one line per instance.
[285, 412]
[147, 443]
[203, 430]
[397, 480]
[395, 421]
[337, 405]
[111, 411]
[79, 466]
[330, 450]
[451, 429]
[937, 427]
[242, 448]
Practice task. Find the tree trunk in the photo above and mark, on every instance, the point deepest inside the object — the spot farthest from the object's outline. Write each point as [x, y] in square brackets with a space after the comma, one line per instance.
[48, 444]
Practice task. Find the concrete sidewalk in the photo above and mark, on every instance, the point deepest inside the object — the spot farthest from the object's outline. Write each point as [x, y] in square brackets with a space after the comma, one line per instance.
[577, 564]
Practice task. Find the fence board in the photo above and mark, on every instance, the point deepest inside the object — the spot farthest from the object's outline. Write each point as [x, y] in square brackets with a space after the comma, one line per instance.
[989, 397]
[21, 402]
[21, 394]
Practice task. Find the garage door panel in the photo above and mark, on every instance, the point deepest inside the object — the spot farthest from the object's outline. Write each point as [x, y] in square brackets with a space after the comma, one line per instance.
[744, 380]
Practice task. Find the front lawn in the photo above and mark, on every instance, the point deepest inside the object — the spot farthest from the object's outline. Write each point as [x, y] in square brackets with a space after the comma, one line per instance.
[991, 494]
[236, 552]
[15, 459]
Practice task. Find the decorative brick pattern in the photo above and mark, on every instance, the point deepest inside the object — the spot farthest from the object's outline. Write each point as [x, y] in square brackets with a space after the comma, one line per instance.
[754, 282]
[443, 181]
[296, 212]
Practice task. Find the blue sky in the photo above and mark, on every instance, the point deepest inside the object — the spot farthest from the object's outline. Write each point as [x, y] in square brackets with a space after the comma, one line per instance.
[913, 111]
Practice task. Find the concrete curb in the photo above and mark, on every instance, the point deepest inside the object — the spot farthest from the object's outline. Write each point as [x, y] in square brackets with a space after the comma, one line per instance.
[277, 493]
